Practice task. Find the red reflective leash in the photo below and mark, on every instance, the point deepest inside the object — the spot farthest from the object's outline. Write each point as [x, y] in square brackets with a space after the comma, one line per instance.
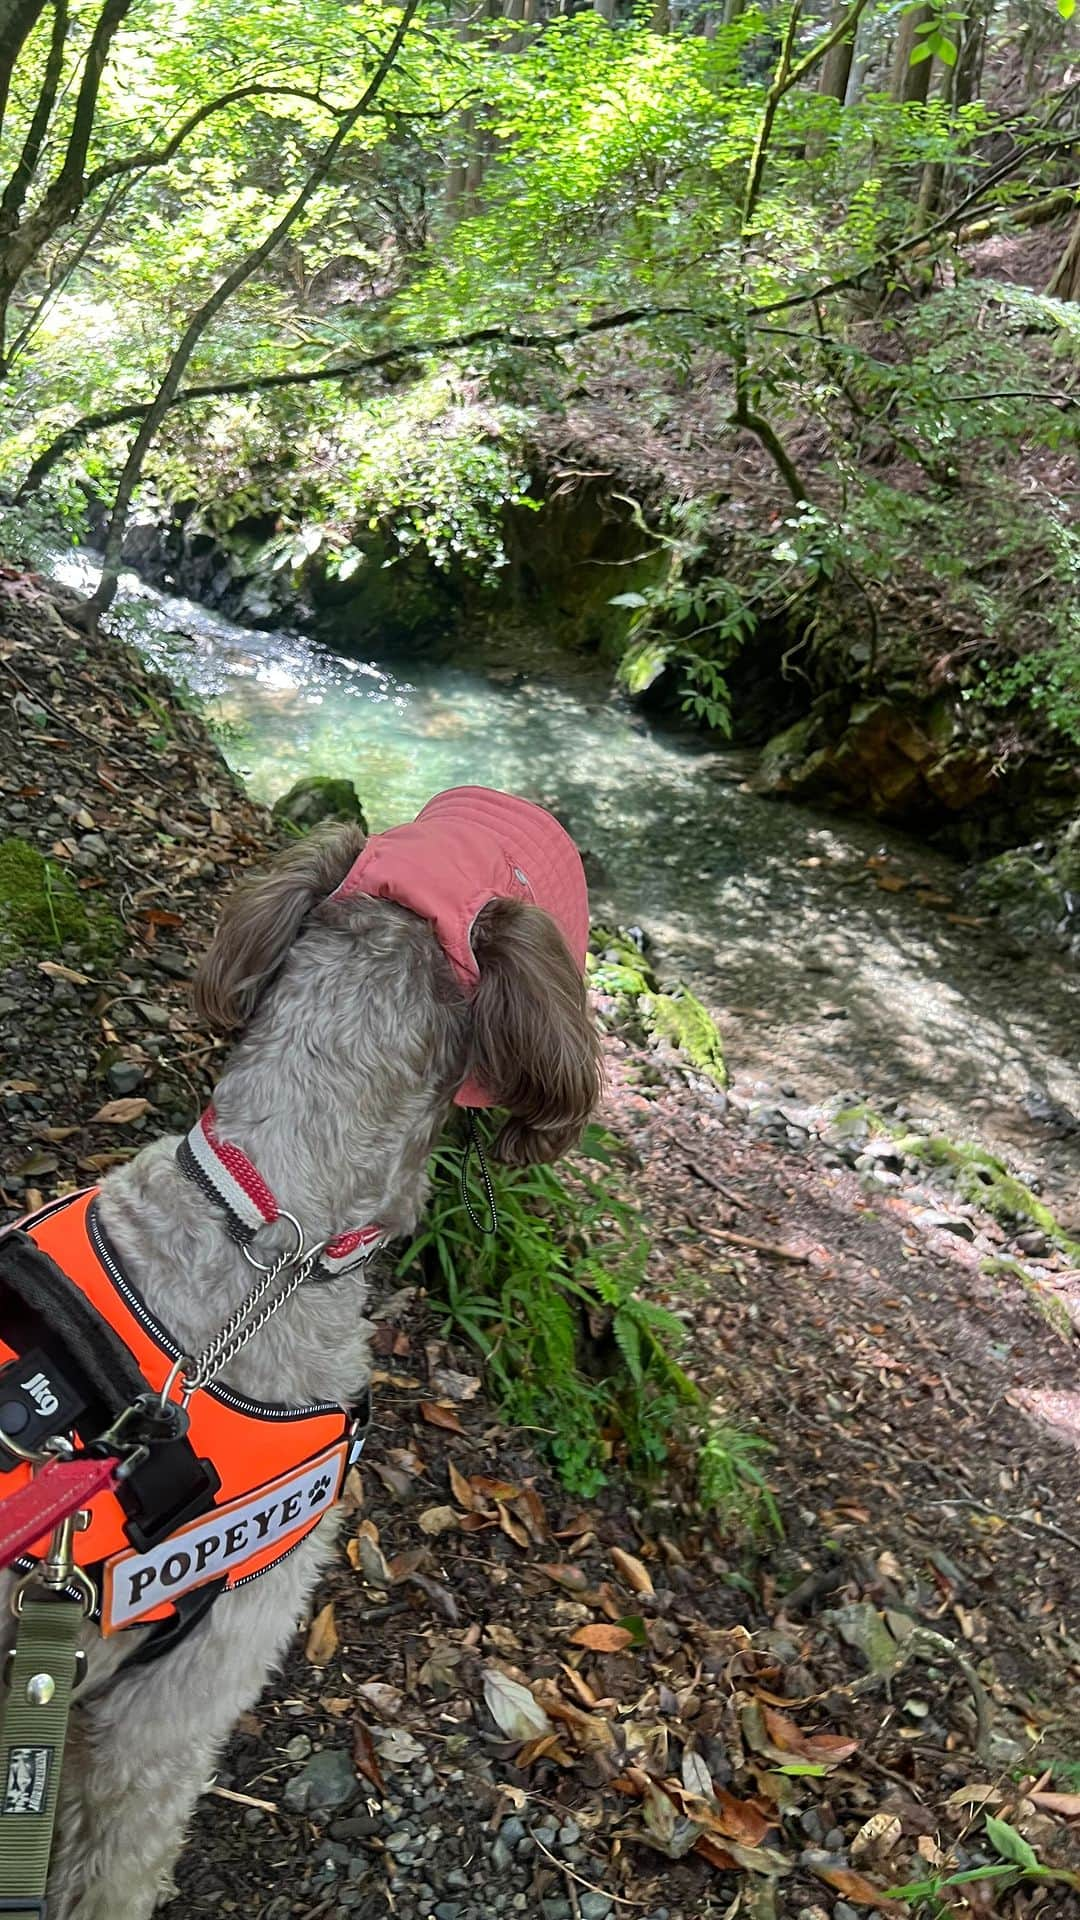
[61, 1488]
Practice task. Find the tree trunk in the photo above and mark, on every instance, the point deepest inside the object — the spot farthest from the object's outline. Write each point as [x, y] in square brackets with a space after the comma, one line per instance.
[22, 174]
[863, 50]
[833, 76]
[910, 84]
[1064, 283]
[970, 53]
[961, 85]
[18, 18]
[105, 593]
[605, 8]
[836, 66]
[67, 191]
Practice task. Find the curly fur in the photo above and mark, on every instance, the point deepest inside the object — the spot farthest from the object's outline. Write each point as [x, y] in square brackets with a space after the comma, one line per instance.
[353, 1039]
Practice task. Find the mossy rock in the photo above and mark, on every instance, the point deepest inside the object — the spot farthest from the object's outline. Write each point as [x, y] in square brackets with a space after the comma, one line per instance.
[42, 912]
[1027, 895]
[786, 753]
[319, 797]
[979, 1175]
[672, 1016]
[689, 1028]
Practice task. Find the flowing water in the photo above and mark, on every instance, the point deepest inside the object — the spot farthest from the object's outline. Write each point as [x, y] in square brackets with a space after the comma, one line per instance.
[837, 954]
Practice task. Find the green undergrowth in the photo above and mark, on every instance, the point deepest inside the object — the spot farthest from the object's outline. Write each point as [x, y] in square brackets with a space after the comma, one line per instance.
[648, 1012]
[573, 1349]
[41, 911]
[978, 1174]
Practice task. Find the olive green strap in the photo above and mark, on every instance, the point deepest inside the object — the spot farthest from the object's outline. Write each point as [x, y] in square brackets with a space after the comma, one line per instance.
[35, 1722]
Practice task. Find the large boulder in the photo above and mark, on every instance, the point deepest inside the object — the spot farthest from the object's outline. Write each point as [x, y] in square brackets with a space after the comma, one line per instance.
[319, 797]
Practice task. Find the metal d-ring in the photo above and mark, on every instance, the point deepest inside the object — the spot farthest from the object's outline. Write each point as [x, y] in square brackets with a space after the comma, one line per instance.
[264, 1266]
[178, 1371]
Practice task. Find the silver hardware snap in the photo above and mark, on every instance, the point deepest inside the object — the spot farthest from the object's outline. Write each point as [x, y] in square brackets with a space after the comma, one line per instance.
[521, 878]
[40, 1689]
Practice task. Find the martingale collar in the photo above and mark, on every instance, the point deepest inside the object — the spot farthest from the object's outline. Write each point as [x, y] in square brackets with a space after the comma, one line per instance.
[224, 1173]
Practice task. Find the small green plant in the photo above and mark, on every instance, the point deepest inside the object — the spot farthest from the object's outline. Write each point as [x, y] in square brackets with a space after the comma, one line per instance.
[644, 1009]
[1018, 1861]
[731, 1480]
[572, 1347]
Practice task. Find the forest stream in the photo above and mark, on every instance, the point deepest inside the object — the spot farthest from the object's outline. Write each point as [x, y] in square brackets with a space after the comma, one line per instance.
[840, 956]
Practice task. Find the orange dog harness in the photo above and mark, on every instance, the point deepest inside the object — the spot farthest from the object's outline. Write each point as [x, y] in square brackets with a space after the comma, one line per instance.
[200, 1514]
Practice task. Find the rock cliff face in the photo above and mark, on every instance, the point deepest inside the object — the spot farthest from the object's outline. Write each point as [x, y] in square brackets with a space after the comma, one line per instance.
[917, 764]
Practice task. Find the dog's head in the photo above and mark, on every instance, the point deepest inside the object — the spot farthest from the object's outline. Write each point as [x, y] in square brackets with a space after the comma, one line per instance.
[526, 1033]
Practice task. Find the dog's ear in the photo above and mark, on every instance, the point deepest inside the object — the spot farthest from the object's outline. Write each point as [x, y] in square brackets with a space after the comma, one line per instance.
[535, 1048]
[262, 919]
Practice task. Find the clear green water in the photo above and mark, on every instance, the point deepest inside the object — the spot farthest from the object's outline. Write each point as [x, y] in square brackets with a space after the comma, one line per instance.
[823, 982]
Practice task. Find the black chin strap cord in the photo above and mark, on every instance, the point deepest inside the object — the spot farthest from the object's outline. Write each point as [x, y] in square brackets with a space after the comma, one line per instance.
[474, 1144]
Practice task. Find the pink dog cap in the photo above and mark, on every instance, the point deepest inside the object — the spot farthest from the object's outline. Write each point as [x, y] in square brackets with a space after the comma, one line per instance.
[468, 846]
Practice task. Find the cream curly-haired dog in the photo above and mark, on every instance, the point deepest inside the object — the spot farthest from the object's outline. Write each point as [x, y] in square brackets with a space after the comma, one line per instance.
[368, 984]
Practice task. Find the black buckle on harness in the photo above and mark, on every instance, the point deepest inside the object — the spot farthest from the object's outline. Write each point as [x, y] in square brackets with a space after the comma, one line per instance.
[36, 1908]
[166, 1490]
[37, 1401]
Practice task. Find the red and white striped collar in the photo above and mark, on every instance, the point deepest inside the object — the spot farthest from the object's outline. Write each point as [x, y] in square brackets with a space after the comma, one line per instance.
[225, 1174]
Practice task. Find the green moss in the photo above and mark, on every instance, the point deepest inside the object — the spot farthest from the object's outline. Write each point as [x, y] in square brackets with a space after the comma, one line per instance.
[41, 911]
[1050, 1305]
[620, 971]
[319, 797]
[979, 1175]
[689, 1027]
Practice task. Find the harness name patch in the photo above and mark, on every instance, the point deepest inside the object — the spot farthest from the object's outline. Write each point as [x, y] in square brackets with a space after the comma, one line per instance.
[26, 1788]
[219, 1542]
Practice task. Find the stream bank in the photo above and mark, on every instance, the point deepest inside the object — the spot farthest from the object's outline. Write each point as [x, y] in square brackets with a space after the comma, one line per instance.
[917, 1393]
[897, 733]
[841, 957]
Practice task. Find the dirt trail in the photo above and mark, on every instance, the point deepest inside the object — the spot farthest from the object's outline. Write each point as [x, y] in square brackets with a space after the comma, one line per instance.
[903, 1654]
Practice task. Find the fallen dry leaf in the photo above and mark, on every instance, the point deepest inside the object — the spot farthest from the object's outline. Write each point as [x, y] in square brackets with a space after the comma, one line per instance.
[855, 1886]
[352, 1493]
[438, 1520]
[380, 1696]
[437, 1416]
[512, 1528]
[877, 1836]
[602, 1639]
[513, 1708]
[366, 1555]
[460, 1488]
[57, 972]
[119, 1113]
[322, 1641]
[715, 1853]
[397, 1746]
[828, 1749]
[365, 1758]
[1067, 1804]
[574, 1579]
[696, 1776]
[489, 1489]
[632, 1571]
[451, 1385]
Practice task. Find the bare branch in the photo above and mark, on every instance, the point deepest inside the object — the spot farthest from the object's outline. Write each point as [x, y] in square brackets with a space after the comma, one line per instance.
[80, 431]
